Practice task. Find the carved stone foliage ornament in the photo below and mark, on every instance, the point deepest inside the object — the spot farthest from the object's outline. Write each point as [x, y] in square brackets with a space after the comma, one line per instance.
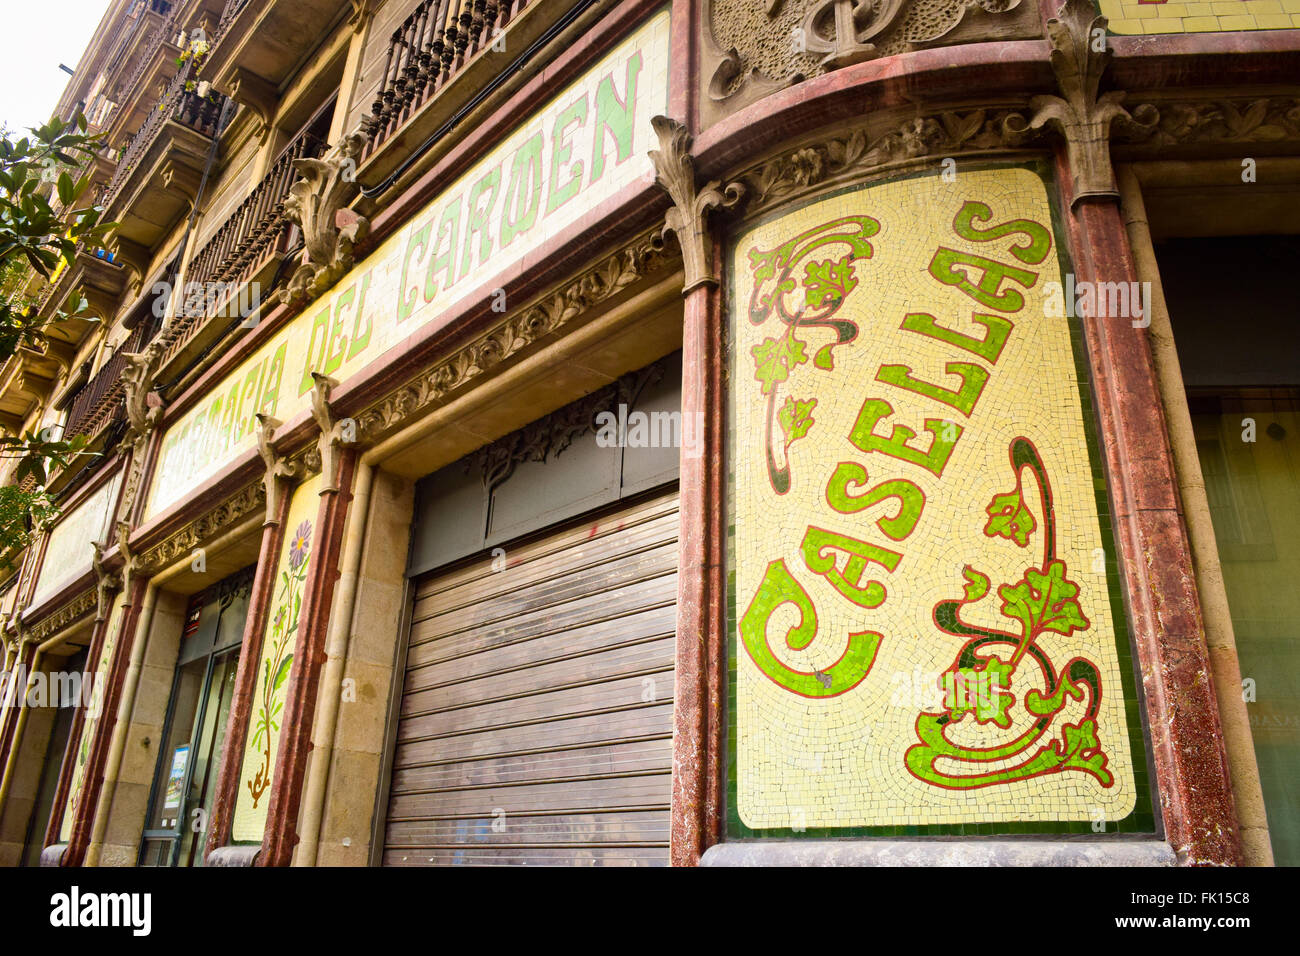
[645, 256]
[144, 409]
[847, 156]
[333, 432]
[71, 612]
[1082, 115]
[675, 173]
[1259, 120]
[548, 437]
[753, 47]
[318, 204]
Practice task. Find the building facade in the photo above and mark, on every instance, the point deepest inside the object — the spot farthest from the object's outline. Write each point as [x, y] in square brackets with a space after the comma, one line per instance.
[669, 431]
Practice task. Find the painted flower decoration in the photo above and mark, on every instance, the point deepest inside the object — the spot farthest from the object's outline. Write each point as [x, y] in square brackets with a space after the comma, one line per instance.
[300, 546]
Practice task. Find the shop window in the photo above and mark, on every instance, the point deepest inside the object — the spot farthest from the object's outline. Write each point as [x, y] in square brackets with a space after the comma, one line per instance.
[1239, 349]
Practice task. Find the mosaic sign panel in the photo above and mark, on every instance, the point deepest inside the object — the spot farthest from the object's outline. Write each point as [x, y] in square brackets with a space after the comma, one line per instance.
[272, 687]
[927, 632]
[1136, 17]
[70, 547]
[579, 149]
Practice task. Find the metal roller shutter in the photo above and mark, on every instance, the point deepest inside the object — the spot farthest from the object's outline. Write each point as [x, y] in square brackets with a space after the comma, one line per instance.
[536, 719]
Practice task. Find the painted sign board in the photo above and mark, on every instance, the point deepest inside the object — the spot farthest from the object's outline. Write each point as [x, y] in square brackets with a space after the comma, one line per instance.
[926, 625]
[580, 148]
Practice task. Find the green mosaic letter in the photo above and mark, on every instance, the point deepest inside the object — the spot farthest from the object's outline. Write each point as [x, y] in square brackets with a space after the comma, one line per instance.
[779, 587]
[573, 115]
[864, 437]
[988, 291]
[990, 347]
[478, 220]
[1032, 252]
[616, 116]
[911, 499]
[524, 191]
[973, 379]
[819, 546]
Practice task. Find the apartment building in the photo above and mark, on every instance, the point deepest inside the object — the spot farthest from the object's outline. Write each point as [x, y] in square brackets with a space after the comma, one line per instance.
[643, 432]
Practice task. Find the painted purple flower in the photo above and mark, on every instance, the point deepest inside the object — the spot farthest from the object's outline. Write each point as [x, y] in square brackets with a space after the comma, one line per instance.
[300, 546]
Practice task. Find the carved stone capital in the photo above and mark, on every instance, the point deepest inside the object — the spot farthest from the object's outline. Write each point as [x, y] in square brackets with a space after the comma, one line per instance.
[675, 173]
[106, 582]
[318, 203]
[280, 471]
[1080, 114]
[332, 431]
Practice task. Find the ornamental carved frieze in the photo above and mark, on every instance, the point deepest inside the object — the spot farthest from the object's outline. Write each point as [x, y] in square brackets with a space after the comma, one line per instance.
[850, 154]
[550, 436]
[1261, 119]
[644, 257]
[753, 47]
[70, 613]
[181, 544]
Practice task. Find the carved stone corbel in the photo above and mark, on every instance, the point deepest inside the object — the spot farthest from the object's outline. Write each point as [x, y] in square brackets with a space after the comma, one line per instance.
[280, 471]
[130, 561]
[331, 431]
[144, 408]
[257, 94]
[318, 204]
[675, 173]
[1080, 54]
[133, 257]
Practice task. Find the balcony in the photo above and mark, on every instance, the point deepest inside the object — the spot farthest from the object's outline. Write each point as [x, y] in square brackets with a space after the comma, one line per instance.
[149, 54]
[242, 255]
[159, 170]
[259, 45]
[449, 58]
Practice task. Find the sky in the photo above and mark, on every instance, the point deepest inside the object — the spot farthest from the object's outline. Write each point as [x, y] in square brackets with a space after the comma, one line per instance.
[39, 36]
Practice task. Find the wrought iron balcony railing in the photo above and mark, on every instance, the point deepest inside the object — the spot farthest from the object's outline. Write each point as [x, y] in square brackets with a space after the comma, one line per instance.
[256, 233]
[184, 106]
[430, 47]
[99, 402]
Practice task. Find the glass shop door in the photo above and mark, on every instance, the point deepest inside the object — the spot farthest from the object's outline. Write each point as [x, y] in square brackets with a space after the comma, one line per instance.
[195, 730]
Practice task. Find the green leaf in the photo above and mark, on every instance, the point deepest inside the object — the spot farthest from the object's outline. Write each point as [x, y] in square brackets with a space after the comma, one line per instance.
[1009, 518]
[828, 283]
[977, 584]
[795, 418]
[282, 673]
[774, 359]
[1044, 602]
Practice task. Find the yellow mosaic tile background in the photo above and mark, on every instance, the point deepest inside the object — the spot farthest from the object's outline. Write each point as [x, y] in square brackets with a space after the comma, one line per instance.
[1133, 17]
[839, 762]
